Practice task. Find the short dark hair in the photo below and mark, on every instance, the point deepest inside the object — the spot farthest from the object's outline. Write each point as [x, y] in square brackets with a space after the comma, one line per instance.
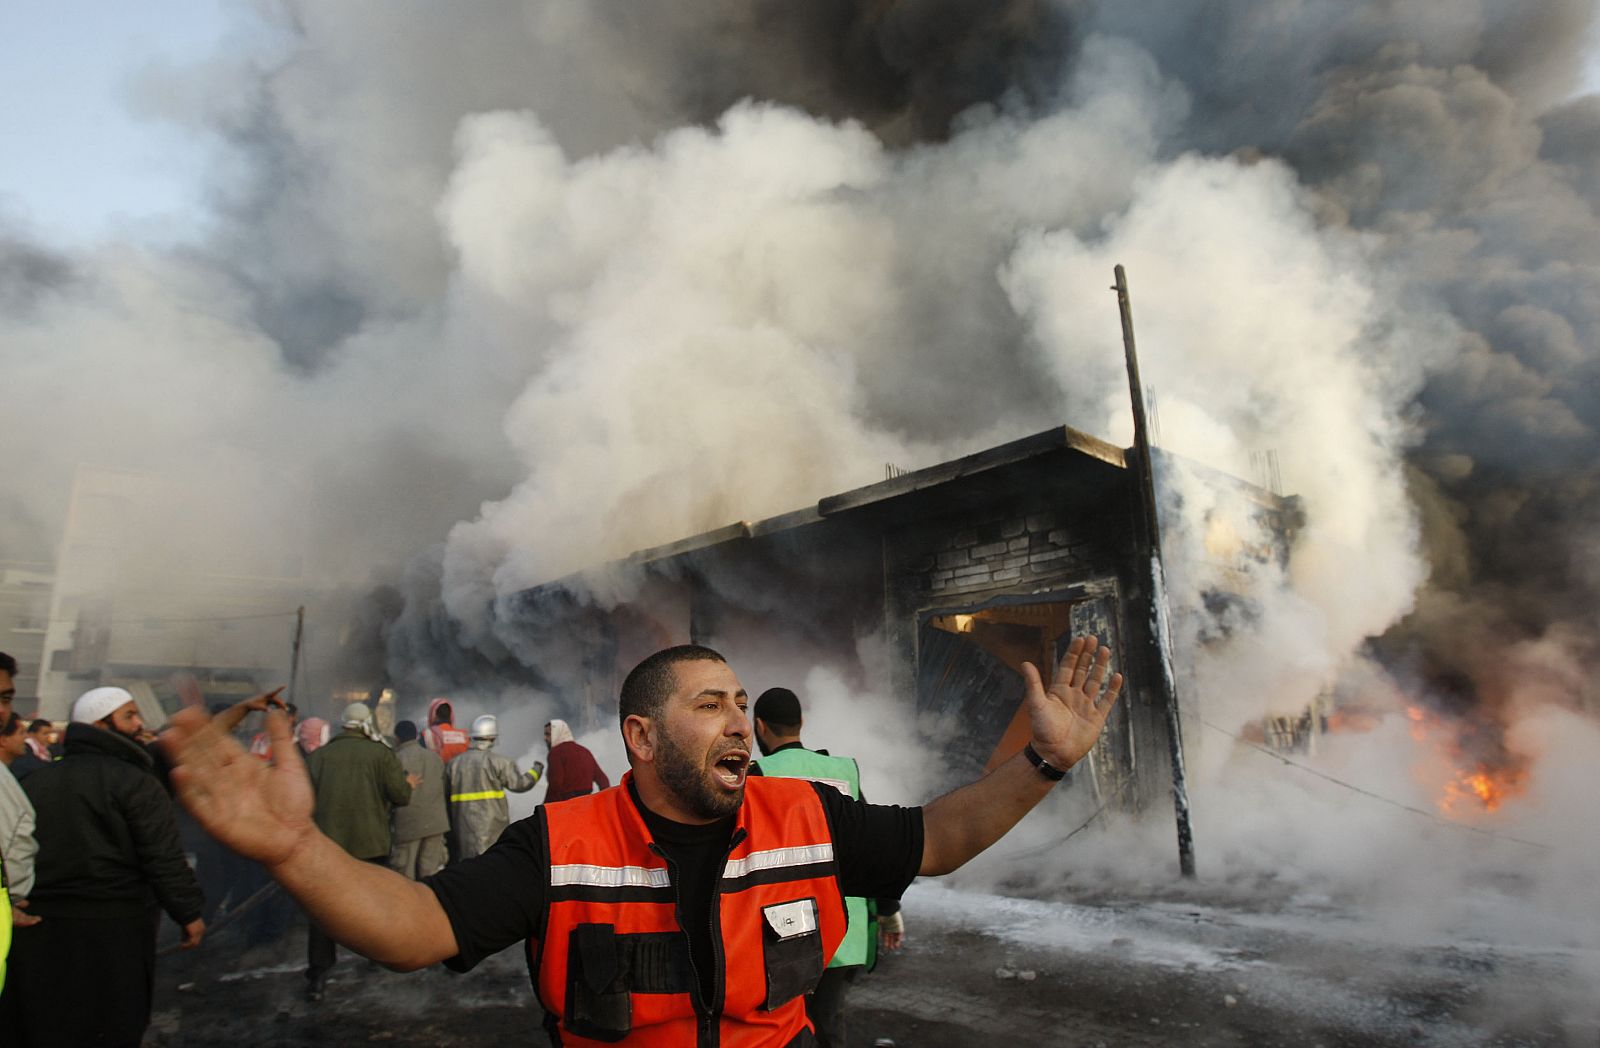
[8, 664]
[648, 684]
[779, 707]
[405, 731]
[11, 726]
[39, 725]
[442, 713]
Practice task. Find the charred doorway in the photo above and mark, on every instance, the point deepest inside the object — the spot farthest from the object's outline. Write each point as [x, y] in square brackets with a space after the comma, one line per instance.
[970, 688]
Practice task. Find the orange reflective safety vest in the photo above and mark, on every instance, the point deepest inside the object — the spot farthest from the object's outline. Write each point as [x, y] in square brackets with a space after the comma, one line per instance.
[447, 740]
[613, 964]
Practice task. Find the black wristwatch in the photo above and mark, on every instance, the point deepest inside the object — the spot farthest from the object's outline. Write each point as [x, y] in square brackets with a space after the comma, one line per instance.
[1048, 770]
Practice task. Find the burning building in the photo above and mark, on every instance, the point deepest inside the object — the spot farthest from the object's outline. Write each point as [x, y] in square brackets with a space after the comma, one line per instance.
[966, 569]
[652, 268]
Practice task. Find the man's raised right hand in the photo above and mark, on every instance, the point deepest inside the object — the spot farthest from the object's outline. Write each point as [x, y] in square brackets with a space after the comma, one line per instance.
[260, 810]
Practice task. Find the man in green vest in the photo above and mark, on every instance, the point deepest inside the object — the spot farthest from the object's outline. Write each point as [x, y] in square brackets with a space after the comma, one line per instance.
[777, 723]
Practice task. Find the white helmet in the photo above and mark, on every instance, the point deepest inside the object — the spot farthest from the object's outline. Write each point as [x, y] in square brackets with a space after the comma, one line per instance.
[486, 727]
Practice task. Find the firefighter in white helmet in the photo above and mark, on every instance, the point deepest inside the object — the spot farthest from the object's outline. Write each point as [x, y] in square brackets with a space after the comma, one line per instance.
[479, 779]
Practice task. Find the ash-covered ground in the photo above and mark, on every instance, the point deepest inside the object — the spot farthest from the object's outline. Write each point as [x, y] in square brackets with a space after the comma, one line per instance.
[1193, 965]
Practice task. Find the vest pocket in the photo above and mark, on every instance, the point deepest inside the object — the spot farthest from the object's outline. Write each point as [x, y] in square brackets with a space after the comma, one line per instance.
[598, 1005]
[604, 969]
[792, 944]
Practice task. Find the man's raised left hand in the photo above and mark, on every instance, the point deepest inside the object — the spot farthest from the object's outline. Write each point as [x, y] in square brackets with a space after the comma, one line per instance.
[1068, 716]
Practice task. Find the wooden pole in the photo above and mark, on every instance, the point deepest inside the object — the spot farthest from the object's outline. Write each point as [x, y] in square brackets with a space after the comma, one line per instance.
[294, 660]
[1150, 548]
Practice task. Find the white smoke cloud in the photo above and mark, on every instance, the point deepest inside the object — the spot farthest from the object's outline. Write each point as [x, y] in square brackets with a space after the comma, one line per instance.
[1255, 330]
[748, 286]
[703, 299]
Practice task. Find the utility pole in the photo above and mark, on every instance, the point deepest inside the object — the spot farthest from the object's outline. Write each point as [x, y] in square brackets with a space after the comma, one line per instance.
[294, 660]
[1150, 546]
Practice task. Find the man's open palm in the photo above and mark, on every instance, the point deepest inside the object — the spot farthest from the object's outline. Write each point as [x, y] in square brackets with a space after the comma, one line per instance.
[1068, 716]
[259, 810]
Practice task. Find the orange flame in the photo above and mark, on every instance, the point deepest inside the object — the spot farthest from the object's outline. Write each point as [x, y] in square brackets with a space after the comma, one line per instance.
[1354, 718]
[1476, 778]
[1485, 788]
[1473, 784]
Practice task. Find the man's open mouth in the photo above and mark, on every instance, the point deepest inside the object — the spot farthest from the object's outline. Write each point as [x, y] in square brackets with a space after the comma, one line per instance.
[731, 768]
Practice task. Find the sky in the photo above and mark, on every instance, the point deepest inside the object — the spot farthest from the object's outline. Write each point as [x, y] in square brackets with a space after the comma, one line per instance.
[81, 163]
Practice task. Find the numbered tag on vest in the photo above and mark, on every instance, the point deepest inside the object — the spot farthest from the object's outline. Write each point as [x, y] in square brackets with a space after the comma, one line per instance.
[789, 919]
[793, 950]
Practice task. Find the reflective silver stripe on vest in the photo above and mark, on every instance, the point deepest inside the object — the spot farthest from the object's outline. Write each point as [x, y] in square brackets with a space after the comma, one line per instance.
[608, 876]
[838, 784]
[777, 858]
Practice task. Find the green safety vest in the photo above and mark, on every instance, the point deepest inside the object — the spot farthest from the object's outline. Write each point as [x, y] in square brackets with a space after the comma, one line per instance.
[860, 945]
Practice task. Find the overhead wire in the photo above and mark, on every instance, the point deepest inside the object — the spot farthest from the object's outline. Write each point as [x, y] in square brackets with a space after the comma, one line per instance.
[156, 619]
[1281, 758]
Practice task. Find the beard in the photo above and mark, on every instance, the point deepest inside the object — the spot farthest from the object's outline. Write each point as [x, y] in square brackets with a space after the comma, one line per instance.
[690, 781]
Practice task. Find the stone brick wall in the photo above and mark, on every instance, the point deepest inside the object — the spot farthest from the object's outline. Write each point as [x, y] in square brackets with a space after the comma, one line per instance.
[1020, 552]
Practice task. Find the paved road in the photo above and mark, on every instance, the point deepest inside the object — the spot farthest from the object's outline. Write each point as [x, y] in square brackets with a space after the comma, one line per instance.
[984, 970]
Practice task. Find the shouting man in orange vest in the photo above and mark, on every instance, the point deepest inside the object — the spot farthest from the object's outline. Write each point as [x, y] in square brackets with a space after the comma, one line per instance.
[689, 905]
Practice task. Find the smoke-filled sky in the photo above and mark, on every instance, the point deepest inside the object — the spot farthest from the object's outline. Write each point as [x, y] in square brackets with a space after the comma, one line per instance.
[505, 289]
[89, 158]
[436, 261]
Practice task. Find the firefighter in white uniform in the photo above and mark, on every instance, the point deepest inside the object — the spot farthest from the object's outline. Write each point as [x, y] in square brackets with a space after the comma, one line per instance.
[479, 779]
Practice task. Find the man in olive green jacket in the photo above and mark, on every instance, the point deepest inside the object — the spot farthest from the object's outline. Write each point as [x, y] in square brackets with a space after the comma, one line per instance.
[356, 780]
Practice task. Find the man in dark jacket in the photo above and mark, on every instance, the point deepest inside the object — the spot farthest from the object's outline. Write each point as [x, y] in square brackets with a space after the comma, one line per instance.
[356, 780]
[108, 842]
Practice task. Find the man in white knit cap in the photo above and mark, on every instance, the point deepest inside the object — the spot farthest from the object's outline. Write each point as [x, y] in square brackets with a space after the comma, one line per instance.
[110, 708]
[108, 843]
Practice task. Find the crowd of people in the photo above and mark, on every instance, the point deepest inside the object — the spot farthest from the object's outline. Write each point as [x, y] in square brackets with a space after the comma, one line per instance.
[93, 847]
[706, 898]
